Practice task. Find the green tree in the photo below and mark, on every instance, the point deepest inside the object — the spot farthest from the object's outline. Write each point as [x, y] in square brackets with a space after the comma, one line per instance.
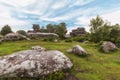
[6, 29]
[50, 28]
[36, 27]
[96, 23]
[60, 29]
[115, 33]
[22, 32]
[43, 29]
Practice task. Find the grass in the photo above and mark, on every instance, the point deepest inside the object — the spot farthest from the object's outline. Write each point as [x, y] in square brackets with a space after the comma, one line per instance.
[97, 66]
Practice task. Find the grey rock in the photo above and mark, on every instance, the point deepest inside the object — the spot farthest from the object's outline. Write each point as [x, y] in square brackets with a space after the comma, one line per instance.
[108, 46]
[14, 36]
[38, 48]
[32, 63]
[78, 50]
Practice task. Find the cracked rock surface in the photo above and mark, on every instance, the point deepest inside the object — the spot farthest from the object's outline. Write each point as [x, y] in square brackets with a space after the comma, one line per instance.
[33, 63]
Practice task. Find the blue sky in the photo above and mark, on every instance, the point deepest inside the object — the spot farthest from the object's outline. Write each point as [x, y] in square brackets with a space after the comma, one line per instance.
[21, 14]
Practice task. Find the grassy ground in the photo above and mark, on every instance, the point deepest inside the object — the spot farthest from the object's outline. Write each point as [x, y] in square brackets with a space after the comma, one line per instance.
[97, 66]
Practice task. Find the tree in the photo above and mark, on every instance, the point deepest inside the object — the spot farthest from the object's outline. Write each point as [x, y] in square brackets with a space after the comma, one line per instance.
[96, 23]
[5, 30]
[22, 32]
[43, 29]
[60, 29]
[63, 25]
[115, 33]
[36, 27]
[50, 28]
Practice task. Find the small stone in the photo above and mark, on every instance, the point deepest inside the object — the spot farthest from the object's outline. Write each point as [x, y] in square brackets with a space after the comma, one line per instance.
[78, 50]
[38, 48]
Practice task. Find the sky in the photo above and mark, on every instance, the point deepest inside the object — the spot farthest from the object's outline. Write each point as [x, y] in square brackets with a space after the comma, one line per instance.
[21, 14]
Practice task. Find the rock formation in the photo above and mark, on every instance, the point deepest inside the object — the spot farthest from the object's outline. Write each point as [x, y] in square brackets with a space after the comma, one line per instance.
[78, 32]
[33, 63]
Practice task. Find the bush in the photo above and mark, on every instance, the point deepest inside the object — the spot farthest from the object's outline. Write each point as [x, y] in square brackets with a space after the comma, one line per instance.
[48, 39]
[118, 43]
[5, 30]
[22, 32]
[79, 39]
[68, 40]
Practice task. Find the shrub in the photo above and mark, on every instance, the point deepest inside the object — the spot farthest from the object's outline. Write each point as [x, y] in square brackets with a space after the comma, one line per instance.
[48, 39]
[79, 39]
[22, 32]
[6, 29]
[68, 40]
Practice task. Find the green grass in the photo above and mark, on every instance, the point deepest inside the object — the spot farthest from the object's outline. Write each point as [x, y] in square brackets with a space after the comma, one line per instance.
[97, 66]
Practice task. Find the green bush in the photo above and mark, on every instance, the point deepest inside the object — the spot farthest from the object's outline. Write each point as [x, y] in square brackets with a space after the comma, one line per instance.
[68, 40]
[79, 39]
[48, 39]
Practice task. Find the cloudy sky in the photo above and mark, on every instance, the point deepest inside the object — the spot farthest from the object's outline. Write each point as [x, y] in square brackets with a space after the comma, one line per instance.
[21, 14]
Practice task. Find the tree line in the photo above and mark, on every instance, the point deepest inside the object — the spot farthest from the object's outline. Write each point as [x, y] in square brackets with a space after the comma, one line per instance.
[59, 29]
[100, 30]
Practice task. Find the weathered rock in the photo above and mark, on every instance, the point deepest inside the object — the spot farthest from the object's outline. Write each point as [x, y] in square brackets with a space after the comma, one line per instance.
[86, 42]
[14, 36]
[77, 50]
[56, 40]
[34, 35]
[108, 46]
[32, 63]
[38, 48]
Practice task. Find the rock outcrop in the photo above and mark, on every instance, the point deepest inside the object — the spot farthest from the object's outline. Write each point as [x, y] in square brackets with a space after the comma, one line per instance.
[33, 63]
[14, 37]
[108, 46]
[78, 50]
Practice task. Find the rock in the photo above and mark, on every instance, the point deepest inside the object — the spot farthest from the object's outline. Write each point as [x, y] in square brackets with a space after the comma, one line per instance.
[69, 50]
[33, 63]
[14, 36]
[86, 42]
[77, 50]
[56, 40]
[108, 46]
[38, 48]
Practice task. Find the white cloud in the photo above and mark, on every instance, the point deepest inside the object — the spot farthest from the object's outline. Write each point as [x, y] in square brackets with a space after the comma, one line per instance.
[113, 17]
[59, 4]
[18, 3]
[53, 11]
[6, 18]
[80, 2]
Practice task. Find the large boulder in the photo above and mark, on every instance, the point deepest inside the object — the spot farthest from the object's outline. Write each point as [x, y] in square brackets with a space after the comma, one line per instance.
[108, 46]
[78, 50]
[33, 63]
[14, 37]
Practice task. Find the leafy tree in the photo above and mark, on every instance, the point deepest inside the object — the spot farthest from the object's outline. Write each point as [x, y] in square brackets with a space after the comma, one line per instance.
[22, 32]
[36, 27]
[96, 23]
[6, 29]
[50, 28]
[60, 29]
[63, 25]
[43, 29]
[115, 33]
[104, 31]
